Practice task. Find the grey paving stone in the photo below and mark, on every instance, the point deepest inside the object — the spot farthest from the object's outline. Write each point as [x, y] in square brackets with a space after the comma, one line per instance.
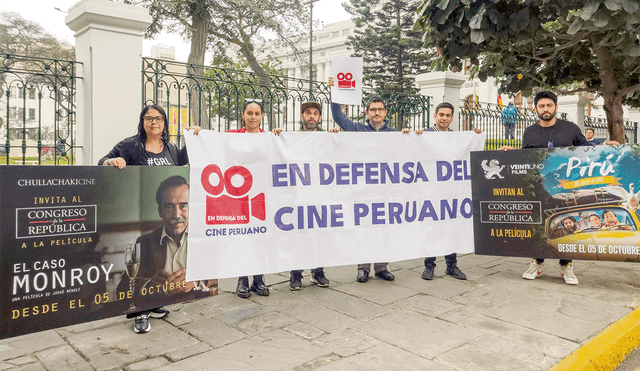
[30, 367]
[346, 342]
[304, 330]
[264, 323]
[148, 364]
[491, 292]
[214, 333]
[24, 360]
[505, 346]
[473, 357]
[445, 287]
[274, 350]
[467, 261]
[304, 307]
[115, 346]
[548, 344]
[27, 344]
[557, 316]
[384, 357]
[417, 333]
[87, 326]
[63, 358]
[242, 313]
[188, 351]
[426, 304]
[406, 264]
[375, 291]
[346, 304]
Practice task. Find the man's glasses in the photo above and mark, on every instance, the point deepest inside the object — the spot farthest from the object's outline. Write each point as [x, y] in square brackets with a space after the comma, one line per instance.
[374, 110]
[149, 119]
[252, 100]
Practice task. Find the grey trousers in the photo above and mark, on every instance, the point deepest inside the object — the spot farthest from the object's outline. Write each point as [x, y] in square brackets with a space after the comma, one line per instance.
[377, 267]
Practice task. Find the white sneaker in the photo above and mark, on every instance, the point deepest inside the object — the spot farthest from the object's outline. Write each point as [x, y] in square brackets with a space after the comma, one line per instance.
[534, 270]
[567, 274]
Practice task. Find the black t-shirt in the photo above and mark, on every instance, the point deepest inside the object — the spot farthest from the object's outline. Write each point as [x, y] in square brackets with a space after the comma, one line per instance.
[562, 134]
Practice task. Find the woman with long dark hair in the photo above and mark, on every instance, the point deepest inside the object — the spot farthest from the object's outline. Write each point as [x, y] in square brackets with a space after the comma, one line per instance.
[150, 146]
[252, 114]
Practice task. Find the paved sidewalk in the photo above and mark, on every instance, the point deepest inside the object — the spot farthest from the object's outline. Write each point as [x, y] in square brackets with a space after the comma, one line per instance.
[493, 321]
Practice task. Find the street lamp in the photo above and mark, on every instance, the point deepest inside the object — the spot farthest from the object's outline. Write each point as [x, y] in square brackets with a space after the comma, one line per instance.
[311, 48]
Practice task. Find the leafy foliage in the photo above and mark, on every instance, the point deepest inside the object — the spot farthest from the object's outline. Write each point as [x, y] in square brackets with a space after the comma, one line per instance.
[544, 43]
[24, 37]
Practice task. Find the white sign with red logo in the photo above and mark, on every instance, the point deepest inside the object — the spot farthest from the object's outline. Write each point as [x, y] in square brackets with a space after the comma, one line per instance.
[261, 203]
[347, 78]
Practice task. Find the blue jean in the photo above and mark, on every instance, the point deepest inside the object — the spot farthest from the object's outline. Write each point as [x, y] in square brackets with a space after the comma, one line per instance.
[509, 131]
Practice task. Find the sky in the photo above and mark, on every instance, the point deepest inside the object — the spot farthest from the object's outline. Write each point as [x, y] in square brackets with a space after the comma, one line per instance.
[52, 20]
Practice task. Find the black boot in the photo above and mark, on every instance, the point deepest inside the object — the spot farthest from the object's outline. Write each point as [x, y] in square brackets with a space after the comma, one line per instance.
[259, 287]
[427, 274]
[243, 287]
[455, 272]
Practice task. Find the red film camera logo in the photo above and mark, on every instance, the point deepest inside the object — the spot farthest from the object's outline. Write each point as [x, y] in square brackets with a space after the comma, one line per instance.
[225, 209]
[346, 81]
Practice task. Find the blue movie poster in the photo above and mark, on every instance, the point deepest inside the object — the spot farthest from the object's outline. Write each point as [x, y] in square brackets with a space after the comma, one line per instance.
[568, 203]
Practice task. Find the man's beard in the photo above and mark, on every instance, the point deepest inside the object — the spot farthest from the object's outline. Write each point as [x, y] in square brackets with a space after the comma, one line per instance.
[310, 125]
[546, 116]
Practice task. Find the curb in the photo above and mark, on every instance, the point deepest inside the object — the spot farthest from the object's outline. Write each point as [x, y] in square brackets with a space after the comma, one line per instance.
[607, 349]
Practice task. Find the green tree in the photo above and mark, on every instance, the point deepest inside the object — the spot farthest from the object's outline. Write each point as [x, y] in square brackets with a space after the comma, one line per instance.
[217, 25]
[24, 37]
[567, 45]
[391, 50]
[230, 82]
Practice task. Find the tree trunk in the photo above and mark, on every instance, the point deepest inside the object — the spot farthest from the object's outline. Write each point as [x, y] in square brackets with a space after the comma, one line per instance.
[200, 26]
[612, 99]
[265, 84]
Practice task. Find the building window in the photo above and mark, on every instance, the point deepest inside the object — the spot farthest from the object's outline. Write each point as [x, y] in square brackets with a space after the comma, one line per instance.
[32, 113]
[345, 32]
[336, 34]
[20, 92]
[32, 93]
[20, 113]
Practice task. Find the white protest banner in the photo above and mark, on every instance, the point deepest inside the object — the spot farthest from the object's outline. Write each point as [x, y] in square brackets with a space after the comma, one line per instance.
[261, 203]
[347, 77]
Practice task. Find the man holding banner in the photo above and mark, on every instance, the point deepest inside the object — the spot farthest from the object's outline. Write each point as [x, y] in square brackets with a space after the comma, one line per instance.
[551, 132]
[311, 116]
[443, 117]
[376, 113]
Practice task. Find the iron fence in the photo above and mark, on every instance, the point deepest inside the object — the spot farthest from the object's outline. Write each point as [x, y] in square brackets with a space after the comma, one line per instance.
[37, 110]
[489, 118]
[213, 98]
[601, 131]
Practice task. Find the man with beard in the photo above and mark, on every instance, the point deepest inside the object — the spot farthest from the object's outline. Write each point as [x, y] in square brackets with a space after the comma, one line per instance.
[443, 117]
[551, 132]
[310, 116]
[163, 257]
[376, 112]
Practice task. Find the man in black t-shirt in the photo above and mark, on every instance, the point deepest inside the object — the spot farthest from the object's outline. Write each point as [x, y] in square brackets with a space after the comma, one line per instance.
[551, 132]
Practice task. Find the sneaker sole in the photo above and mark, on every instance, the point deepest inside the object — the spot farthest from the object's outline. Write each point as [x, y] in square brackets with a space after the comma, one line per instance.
[135, 329]
[316, 282]
[294, 288]
[158, 316]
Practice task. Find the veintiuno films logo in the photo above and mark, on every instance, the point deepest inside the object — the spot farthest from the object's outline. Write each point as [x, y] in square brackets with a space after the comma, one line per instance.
[493, 169]
[346, 81]
[235, 207]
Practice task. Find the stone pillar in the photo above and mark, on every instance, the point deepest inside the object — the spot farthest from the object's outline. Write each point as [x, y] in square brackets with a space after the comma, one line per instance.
[573, 106]
[109, 45]
[442, 86]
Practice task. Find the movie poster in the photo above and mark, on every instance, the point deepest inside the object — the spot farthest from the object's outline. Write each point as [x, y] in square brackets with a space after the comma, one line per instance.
[567, 203]
[82, 243]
